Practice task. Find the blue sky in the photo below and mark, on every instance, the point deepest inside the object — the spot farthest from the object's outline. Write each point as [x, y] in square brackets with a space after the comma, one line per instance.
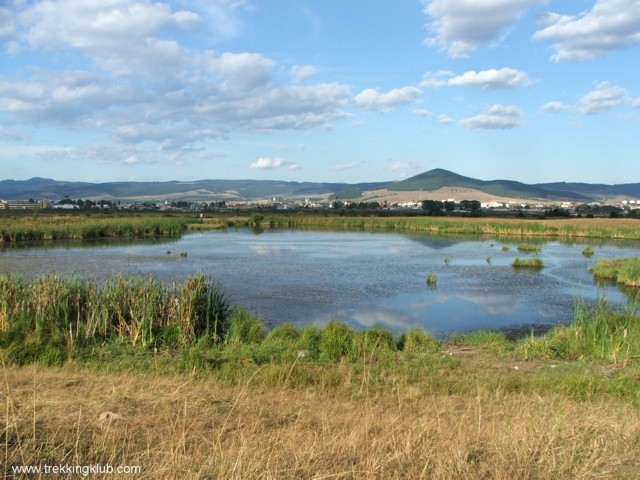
[324, 90]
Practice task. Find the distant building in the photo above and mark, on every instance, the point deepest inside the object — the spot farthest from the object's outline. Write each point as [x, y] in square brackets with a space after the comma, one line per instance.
[22, 204]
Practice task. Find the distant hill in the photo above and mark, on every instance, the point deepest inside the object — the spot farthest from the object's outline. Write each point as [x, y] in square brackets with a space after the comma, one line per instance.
[39, 188]
[439, 178]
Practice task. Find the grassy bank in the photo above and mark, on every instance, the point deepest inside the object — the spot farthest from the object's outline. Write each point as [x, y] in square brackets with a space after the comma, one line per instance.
[175, 380]
[52, 227]
[56, 227]
[562, 228]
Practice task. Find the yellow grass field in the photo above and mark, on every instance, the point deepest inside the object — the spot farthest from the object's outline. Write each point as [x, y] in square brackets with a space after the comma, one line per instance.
[173, 426]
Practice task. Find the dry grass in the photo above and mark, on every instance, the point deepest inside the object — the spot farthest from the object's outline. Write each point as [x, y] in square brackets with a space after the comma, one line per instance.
[181, 427]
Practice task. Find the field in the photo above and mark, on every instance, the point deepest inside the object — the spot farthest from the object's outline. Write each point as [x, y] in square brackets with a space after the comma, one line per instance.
[174, 382]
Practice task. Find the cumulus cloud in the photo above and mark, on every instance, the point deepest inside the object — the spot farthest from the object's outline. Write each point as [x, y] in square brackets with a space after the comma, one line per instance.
[119, 35]
[66, 97]
[264, 163]
[189, 95]
[554, 107]
[491, 79]
[609, 26]
[461, 26]
[372, 99]
[496, 117]
[239, 72]
[602, 99]
[636, 102]
[444, 119]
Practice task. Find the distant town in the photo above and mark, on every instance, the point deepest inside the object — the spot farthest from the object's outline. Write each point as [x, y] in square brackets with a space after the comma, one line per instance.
[629, 207]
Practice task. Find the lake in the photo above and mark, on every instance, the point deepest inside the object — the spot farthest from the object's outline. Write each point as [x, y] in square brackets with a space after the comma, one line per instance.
[364, 279]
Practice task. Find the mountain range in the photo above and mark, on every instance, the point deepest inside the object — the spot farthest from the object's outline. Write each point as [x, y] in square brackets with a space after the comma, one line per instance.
[208, 190]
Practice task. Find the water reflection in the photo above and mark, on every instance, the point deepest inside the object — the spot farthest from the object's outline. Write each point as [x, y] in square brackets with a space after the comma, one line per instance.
[365, 279]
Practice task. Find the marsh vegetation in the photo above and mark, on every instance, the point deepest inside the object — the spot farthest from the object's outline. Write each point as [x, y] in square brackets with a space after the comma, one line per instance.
[201, 388]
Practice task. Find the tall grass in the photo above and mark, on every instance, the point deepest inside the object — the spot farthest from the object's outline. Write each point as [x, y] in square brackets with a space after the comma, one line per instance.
[600, 332]
[625, 271]
[529, 247]
[562, 228]
[527, 263]
[55, 227]
[63, 314]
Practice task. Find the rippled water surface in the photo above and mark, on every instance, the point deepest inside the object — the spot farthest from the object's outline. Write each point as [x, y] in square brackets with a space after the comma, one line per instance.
[365, 279]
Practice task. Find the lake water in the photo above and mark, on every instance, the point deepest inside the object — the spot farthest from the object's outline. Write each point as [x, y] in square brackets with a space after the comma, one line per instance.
[365, 279]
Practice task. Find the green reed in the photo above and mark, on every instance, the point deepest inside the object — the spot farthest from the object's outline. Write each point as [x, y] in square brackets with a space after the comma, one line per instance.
[71, 312]
[571, 228]
[55, 227]
[625, 271]
[599, 332]
[527, 263]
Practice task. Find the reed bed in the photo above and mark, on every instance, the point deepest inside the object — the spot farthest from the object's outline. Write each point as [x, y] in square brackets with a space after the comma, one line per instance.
[625, 271]
[562, 228]
[56, 227]
[47, 319]
[601, 332]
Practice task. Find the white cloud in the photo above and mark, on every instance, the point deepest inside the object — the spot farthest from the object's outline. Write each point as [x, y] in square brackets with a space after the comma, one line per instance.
[461, 26]
[66, 97]
[279, 108]
[371, 98]
[239, 72]
[345, 166]
[301, 74]
[119, 35]
[602, 99]
[490, 79]
[271, 163]
[554, 107]
[496, 117]
[421, 112]
[636, 102]
[609, 26]
[444, 119]
[7, 23]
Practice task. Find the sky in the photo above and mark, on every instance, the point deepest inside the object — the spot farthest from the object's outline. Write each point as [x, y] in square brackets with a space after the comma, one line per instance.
[320, 90]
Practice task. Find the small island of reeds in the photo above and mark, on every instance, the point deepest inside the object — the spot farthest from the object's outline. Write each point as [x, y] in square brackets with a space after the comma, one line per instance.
[533, 262]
